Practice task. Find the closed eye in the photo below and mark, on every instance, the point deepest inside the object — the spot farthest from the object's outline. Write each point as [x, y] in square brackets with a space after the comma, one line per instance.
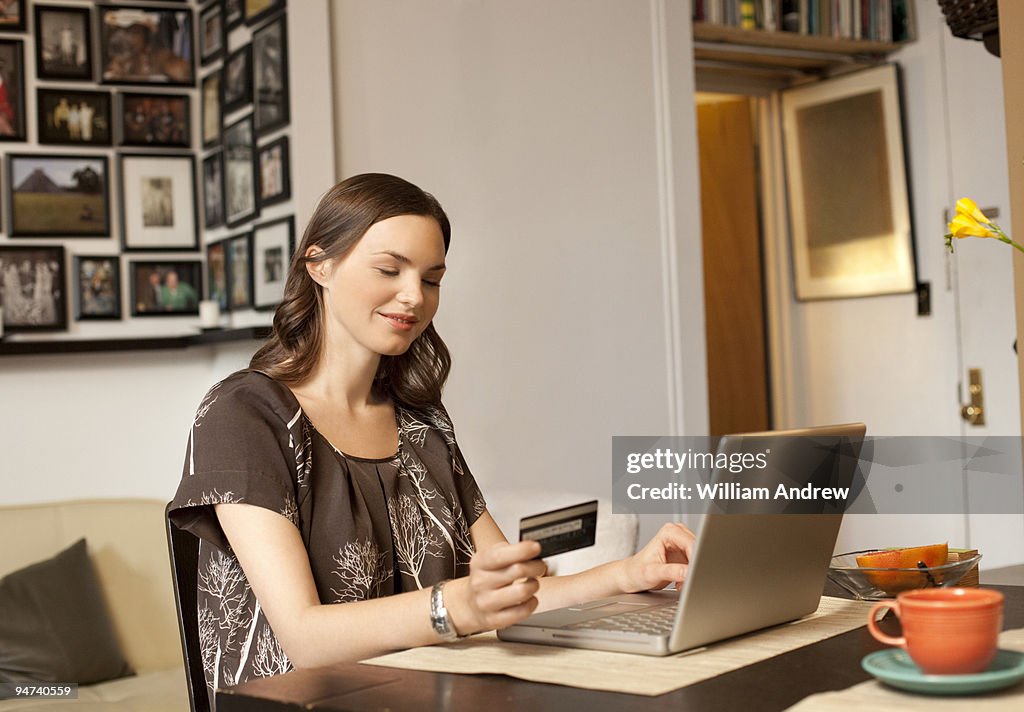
[387, 272]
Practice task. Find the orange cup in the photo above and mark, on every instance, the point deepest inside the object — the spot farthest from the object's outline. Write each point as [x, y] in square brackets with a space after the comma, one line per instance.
[946, 631]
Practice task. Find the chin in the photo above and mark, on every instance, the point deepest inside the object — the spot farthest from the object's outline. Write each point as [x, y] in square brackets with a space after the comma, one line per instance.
[394, 349]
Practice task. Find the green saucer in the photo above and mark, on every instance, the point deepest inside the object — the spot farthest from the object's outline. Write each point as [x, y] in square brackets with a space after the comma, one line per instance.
[894, 667]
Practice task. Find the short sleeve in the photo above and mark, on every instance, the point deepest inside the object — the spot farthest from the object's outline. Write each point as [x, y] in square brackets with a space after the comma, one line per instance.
[463, 483]
[242, 448]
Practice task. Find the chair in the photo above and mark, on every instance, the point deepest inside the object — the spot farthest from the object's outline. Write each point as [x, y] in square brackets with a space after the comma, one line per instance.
[184, 551]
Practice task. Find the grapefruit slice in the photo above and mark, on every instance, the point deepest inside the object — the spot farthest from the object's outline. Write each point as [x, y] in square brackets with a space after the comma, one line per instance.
[892, 582]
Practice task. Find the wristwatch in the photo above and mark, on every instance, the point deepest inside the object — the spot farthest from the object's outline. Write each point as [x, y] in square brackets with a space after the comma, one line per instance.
[439, 614]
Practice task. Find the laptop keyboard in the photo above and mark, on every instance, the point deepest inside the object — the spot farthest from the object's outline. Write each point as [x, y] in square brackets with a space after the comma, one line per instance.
[650, 621]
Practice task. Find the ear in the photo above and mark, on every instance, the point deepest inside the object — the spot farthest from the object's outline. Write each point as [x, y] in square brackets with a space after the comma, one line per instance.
[318, 271]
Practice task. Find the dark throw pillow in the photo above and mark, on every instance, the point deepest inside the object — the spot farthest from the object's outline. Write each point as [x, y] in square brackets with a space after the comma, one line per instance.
[54, 625]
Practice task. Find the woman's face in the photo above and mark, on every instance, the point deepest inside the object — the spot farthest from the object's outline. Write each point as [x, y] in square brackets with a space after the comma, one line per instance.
[383, 293]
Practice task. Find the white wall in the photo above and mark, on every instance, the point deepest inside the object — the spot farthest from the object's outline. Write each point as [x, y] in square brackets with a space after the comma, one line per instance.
[562, 144]
[874, 359]
[105, 425]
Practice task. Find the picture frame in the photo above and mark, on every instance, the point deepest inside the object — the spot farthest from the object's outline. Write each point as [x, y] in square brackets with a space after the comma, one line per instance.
[255, 11]
[217, 274]
[165, 287]
[12, 96]
[237, 88]
[212, 34]
[97, 287]
[213, 190]
[58, 195]
[32, 288]
[274, 172]
[158, 202]
[239, 262]
[840, 249]
[131, 52]
[240, 173]
[233, 14]
[273, 243]
[73, 117]
[155, 120]
[13, 16]
[213, 116]
[271, 105]
[63, 39]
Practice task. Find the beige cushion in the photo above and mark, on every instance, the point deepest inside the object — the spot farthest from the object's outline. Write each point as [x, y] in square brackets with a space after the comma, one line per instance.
[161, 691]
[128, 547]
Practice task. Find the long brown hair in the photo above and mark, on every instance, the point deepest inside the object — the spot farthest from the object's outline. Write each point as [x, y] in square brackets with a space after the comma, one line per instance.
[344, 214]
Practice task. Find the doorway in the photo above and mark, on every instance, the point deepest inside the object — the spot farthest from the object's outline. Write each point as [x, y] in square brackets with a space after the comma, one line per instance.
[734, 305]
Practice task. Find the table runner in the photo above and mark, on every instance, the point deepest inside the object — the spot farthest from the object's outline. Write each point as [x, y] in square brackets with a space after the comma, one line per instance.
[623, 672]
[872, 695]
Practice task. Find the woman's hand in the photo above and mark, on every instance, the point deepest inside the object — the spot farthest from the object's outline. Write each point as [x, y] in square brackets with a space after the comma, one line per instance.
[500, 589]
[663, 560]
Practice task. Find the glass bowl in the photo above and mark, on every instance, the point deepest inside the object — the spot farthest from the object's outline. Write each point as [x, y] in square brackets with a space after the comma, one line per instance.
[874, 584]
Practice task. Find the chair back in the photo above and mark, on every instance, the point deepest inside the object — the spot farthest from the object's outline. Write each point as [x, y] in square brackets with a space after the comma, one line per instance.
[184, 551]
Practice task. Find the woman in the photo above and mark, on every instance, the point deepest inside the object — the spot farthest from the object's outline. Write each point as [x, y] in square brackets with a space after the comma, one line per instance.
[328, 472]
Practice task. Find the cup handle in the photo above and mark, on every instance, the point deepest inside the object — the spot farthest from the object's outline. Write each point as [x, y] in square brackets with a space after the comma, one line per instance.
[873, 624]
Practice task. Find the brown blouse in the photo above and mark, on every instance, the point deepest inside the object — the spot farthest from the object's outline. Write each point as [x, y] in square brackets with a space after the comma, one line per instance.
[372, 527]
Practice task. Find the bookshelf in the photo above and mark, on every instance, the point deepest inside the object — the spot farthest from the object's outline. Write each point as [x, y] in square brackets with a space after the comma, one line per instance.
[742, 46]
[27, 347]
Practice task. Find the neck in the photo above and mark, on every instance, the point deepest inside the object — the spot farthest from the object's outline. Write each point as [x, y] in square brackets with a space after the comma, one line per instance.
[344, 374]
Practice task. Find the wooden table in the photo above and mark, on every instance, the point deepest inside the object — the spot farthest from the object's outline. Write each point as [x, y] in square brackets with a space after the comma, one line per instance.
[772, 684]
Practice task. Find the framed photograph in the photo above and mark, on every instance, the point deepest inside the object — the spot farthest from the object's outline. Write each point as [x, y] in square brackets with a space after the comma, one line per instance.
[69, 117]
[165, 288]
[258, 10]
[239, 173]
[213, 190]
[237, 91]
[270, 76]
[272, 246]
[217, 274]
[97, 287]
[32, 289]
[211, 33]
[63, 43]
[239, 257]
[12, 15]
[146, 45]
[275, 172]
[233, 11]
[157, 120]
[212, 114]
[12, 91]
[158, 208]
[58, 196]
[839, 248]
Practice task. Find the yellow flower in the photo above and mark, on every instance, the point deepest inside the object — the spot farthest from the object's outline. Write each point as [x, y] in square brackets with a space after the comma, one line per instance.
[969, 221]
[965, 226]
[966, 206]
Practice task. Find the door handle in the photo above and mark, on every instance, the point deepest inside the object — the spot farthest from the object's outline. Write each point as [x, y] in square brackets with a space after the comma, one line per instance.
[974, 411]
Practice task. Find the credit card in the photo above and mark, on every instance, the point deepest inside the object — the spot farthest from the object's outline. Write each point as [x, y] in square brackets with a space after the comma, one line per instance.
[561, 530]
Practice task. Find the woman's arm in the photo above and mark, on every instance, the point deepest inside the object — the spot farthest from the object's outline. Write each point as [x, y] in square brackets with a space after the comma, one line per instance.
[498, 592]
[663, 560]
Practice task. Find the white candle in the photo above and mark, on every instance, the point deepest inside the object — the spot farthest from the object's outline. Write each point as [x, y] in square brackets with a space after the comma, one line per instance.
[209, 314]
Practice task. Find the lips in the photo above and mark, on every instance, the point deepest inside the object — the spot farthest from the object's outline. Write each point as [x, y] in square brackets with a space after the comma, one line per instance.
[402, 322]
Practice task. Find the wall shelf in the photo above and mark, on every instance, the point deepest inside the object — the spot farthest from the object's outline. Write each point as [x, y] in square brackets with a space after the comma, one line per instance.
[11, 347]
[777, 59]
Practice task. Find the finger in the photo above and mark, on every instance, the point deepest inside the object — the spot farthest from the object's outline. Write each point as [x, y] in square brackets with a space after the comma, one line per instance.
[499, 599]
[666, 572]
[679, 537]
[504, 555]
[510, 616]
[496, 578]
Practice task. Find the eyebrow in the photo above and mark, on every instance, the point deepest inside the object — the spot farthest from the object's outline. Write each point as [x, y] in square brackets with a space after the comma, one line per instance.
[405, 260]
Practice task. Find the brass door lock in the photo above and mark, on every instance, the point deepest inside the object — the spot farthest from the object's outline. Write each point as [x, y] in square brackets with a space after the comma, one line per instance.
[974, 412]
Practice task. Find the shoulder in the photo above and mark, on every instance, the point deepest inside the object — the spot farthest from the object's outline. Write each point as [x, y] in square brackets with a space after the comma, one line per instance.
[253, 393]
[433, 417]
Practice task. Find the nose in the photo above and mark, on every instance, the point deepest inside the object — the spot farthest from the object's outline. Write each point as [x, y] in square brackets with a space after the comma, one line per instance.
[411, 294]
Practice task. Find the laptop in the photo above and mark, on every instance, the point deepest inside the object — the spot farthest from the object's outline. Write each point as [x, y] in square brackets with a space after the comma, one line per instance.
[749, 571]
